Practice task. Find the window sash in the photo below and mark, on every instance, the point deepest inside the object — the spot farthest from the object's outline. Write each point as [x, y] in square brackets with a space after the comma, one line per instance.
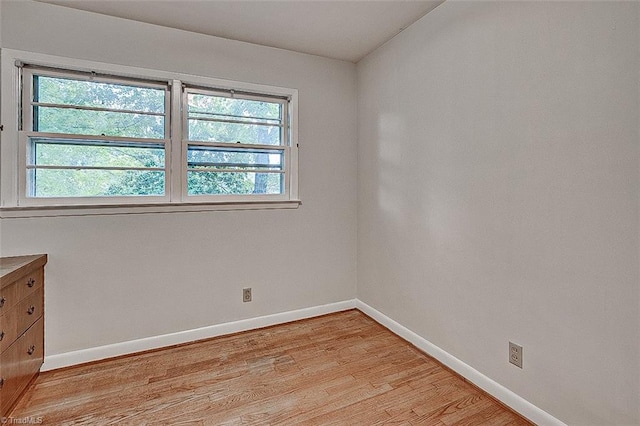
[27, 87]
[284, 146]
[27, 189]
[283, 123]
[28, 137]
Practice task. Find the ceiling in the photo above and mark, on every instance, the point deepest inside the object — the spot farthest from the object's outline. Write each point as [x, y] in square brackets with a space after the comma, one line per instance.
[346, 30]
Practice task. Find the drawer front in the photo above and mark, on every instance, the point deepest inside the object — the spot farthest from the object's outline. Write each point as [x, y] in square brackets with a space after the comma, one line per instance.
[30, 283]
[29, 310]
[8, 297]
[20, 363]
[8, 328]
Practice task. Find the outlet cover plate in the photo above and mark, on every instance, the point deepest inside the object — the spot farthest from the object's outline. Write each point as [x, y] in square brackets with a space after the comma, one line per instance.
[246, 294]
[515, 354]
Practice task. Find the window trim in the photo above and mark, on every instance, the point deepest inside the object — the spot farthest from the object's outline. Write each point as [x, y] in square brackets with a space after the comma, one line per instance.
[13, 155]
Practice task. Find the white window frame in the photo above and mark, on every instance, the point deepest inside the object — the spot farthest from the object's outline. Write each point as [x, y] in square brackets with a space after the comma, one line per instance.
[13, 156]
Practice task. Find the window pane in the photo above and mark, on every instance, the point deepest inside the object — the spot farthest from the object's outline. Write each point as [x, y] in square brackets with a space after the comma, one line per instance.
[66, 91]
[87, 122]
[219, 183]
[232, 107]
[233, 118]
[88, 153]
[95, 183]
[209, 157]
[221, 119]
[212, 131]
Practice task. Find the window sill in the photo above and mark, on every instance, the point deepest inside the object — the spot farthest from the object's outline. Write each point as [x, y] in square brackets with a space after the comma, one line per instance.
[120, 209]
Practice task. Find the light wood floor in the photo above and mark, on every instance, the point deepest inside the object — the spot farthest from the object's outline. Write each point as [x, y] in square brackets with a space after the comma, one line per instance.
[339, 369]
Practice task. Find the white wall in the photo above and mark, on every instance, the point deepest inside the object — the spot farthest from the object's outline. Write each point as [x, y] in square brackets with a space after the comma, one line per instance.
[117, 278]
[498, 195]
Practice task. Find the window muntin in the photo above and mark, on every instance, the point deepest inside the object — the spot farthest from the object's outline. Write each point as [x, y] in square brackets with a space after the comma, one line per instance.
[94, 123]
[89, 136]
[237, 144]
[74, 153]
[255, 159]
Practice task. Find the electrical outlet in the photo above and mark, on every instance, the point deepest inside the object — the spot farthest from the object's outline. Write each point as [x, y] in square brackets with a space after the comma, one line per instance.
[246, 294]
[515, 354]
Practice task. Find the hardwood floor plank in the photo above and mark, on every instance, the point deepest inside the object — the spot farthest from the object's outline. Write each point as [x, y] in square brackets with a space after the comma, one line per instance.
[338, 369]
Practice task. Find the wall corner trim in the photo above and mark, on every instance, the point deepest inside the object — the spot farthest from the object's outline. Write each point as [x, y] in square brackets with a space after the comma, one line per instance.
[98, 353]
[504, 395]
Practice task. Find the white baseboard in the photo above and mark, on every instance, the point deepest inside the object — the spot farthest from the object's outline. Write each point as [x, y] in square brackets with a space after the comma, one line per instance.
[504, 395]
[493, 388]
[67, 359]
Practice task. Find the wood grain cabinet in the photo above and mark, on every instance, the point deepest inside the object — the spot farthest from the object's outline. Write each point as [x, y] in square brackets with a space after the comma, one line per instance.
[21, 325]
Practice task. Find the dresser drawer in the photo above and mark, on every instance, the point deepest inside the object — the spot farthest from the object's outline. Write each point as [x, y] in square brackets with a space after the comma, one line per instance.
[8, 297]
[30, 283]
[29, 310]
[20, 362]
[8, 328]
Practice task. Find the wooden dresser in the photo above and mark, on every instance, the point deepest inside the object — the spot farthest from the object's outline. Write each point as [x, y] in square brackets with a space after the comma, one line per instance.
[21, 325]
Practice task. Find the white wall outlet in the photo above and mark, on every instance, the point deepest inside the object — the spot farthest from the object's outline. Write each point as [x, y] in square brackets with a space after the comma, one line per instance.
[515, 354]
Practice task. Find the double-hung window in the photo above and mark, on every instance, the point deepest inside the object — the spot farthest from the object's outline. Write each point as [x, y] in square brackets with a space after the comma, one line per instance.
[236, 144]
[90, 138]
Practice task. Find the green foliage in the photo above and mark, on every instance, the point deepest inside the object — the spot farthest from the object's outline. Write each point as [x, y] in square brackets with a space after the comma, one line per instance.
[60, 91]
[201, 183]
[138, 183]
[267, 114]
